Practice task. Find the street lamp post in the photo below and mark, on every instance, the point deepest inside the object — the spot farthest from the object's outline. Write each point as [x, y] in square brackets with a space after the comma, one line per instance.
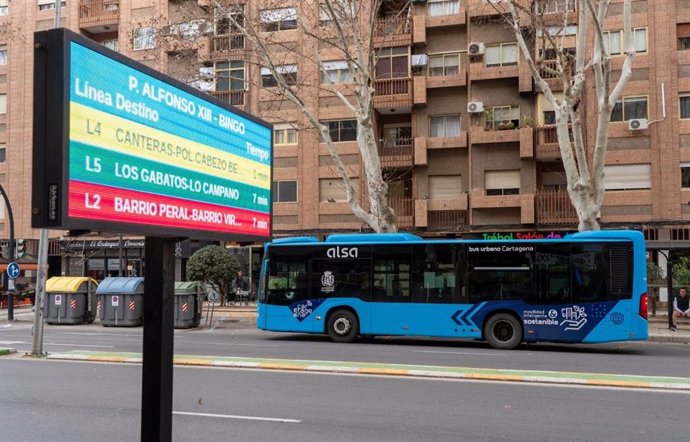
[10, 257]
[669, 285]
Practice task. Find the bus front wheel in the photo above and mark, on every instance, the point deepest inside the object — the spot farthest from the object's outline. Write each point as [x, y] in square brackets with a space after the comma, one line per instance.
[503, 331]
[343, 326]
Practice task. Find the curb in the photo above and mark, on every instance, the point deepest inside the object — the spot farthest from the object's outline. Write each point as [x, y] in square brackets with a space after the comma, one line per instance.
[669, 339]
[6, 351]
[419, 371]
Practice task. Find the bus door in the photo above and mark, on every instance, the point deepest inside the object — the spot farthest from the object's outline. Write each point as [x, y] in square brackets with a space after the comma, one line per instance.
[287, 289]
[340, 277]
[262, 295]
[438, 290]
[393, 312]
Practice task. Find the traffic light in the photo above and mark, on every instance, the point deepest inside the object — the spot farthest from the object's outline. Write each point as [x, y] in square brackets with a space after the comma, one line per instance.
[5, 251]
[20, 248]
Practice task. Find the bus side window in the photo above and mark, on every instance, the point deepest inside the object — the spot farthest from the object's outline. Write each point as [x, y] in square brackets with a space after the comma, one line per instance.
[553, 275]
[590, 272]
[438, 276]
[392, 263]
[283, 285]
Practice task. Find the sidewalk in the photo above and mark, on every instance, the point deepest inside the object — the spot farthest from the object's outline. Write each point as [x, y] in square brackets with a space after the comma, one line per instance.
[246, 314]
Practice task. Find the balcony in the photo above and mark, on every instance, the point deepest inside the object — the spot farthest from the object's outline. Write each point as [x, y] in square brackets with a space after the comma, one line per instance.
[233, 98]
[446, 219]
[404, 210]
[484, 8]
[393, 31]
[447, 214]
[423, 22]
[546, 143]
[99, 15]
[554, 207]
[548, 72]
[524, 203]
[422, 83]
[523, 135]
[224, 46]
[480, 200]
[478, 71]
[557, 12]
[397, 153]
[393, 93]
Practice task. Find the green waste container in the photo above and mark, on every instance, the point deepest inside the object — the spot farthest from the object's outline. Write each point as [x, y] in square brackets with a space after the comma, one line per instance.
[121, 301]
[70, 300]
[188, 303]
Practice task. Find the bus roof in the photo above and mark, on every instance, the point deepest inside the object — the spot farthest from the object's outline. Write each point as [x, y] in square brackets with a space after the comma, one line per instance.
[404, 237]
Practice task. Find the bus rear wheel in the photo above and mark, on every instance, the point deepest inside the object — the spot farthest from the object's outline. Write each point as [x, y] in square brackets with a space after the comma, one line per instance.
[503, 331]
[343, 326]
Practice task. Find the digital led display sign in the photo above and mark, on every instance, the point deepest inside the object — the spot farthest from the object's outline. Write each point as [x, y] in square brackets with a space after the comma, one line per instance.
[121, 147]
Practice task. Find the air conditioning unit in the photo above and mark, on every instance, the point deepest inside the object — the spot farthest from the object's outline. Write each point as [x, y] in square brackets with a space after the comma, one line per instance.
[474, 107]
[475, 48]
[637, 124]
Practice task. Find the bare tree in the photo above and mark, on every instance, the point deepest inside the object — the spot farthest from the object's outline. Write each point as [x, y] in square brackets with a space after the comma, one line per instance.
[343, 30]
[543, 24]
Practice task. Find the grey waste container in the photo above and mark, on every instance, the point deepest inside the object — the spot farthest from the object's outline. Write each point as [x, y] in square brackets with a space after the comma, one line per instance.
[188, 302]
[121, 301]
[70, 300]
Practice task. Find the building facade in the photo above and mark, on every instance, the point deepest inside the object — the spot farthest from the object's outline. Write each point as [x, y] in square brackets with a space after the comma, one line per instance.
[467, 143]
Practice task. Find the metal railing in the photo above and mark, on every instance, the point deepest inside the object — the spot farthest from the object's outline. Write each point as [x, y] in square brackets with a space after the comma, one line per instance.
[404, 210]
[550, 65]
[99, 10]
[229, 42]
[394, 25]
[446, 219]
[554, 207]
[233, 98]
[397, 152]
[392, 86]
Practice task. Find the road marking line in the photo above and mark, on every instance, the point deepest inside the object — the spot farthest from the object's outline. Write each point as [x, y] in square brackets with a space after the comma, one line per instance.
[81, 345]
[12, 342]
[241, 345]
[231, 416]
[459, 353]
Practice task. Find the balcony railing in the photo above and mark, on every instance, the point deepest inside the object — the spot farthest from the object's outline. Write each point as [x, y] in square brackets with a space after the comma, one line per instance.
[229, 42]
[547, 134]
[404, 210]
[554, 207]
[394, 93]
[233, 98]
[392, 86]
[98, 12]
[397, 152]
[547, 142]
[446, 219]
[394, 25]
[547, 67]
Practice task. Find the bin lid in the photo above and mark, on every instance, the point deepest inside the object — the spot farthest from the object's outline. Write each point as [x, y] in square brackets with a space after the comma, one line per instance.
[69, 284]
[121, 285]
[186, 287]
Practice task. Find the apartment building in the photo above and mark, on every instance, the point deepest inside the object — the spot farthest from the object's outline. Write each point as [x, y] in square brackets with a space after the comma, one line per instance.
[467, 143]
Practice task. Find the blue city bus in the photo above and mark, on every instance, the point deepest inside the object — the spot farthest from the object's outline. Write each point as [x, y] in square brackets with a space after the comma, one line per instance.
[586, 287]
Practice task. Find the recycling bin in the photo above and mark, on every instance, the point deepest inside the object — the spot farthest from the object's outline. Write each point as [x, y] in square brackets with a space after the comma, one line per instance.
[121, 301]
[70, 300]
[188, 303]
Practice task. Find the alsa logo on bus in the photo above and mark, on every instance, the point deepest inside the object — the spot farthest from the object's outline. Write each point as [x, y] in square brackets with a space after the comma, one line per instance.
[342, 252]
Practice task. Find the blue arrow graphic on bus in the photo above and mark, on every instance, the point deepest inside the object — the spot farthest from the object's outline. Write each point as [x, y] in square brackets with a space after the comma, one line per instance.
[455, 317]
[468, 313]
[463, 320]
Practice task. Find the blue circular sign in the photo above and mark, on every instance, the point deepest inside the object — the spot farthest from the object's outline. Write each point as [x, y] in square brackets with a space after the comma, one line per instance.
[13, 270]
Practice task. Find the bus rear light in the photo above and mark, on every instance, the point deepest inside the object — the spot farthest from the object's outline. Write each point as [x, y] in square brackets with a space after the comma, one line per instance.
[643, 305]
